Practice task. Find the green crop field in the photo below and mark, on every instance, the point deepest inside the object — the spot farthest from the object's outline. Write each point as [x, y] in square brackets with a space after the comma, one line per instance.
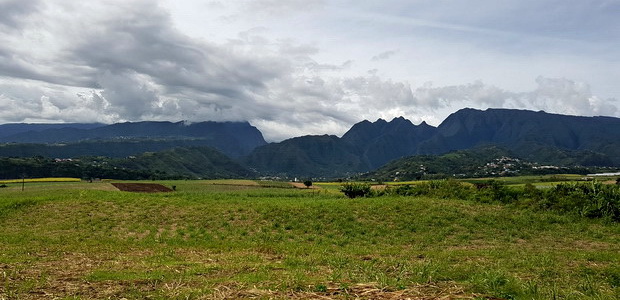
[240, 239]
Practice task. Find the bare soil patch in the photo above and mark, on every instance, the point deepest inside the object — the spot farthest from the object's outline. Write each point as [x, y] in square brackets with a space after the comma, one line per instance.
[300, 185]
[379, 186]
[141, 187]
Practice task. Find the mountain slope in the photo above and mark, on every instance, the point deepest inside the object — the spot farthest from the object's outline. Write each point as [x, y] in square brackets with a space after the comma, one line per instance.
[529, 134]
[232, 138]
[307, 156]
[201, 162]
[382, 141]
[16, 129]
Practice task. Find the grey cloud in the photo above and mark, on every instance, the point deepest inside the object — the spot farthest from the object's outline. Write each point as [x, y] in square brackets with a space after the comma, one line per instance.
[151, 47]
[144, 44]
[566, 96]
[477, 92]
[13, 12]
[289, 48]
[32, 101]
[128, 95]
[554, 95]
[315, 66]
[21, 65]
[384, 55]
[279, 7]
[587, 20]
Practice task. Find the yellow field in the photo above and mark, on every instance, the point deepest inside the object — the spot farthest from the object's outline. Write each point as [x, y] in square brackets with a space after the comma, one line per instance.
[51, 179]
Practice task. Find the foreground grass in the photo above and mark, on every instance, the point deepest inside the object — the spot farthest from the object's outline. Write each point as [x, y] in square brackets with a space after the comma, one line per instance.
[241, 241]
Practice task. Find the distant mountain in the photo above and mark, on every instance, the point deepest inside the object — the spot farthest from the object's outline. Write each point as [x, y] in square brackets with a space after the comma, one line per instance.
[235, 139]
[367, 145]
[15, 129]
[534, 136]
[382, 141]
[530, 134]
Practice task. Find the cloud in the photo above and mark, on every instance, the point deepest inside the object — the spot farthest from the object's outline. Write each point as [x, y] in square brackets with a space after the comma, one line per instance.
[566, 96]
[384, 55]
[13, 12]
[109, 61]
[279, 7]
[553, 95]
[476, 93]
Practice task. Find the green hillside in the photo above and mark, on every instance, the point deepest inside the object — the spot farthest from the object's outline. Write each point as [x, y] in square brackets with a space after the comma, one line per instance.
[481, 161]
[191, 163]
[194, 162]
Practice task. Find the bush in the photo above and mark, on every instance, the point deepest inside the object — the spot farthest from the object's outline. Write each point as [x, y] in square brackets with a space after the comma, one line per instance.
[354, 190]
[592, 200]
[436, 188]
[494, 191]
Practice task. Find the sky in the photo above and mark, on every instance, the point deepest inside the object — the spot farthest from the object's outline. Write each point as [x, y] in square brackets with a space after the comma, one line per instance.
[298, 67]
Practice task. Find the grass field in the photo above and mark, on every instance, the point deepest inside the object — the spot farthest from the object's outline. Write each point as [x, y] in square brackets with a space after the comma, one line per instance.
[238, 239]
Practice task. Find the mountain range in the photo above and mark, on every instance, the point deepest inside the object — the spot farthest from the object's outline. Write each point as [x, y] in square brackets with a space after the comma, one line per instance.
[534, 136]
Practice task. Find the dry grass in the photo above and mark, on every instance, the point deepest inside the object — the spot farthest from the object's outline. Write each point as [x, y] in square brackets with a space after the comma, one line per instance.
[357, 291]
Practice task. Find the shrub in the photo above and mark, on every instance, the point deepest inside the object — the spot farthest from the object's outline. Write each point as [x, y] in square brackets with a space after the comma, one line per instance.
[354, 190]
[591, 200]
[492, 191]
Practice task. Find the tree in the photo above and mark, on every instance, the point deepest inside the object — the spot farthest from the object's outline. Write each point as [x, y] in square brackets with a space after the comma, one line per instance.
[308, 183]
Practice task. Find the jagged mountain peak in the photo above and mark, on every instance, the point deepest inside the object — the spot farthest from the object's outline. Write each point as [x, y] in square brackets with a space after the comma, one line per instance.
[424, 124]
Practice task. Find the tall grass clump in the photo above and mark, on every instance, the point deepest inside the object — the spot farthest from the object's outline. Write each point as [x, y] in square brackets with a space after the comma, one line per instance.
[590, 200]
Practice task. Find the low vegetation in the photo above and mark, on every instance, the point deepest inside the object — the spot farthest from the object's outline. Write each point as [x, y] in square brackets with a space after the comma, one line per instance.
[591, 199]
[177, 163]
[238, 239]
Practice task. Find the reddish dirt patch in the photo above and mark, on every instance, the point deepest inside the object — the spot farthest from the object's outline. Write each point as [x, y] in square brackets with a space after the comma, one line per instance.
[379, 187]
[141, 187]
[300, 185]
